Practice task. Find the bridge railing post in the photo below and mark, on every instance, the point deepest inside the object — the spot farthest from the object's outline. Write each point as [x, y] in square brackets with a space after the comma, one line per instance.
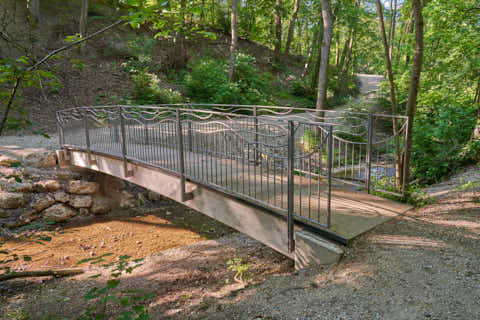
[87, 139]
[329, 174]
[368, 159]
[123, 138]
[189, 127]
[181, 158]
[290, 186]
[255, 119]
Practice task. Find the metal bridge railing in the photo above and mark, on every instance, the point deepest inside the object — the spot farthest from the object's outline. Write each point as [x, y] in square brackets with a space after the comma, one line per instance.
[284, 159]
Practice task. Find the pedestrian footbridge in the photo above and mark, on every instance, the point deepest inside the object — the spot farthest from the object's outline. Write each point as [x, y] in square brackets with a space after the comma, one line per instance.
[296, 180]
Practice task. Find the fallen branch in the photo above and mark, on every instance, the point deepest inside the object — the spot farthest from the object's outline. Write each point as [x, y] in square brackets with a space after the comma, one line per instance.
[46, 273]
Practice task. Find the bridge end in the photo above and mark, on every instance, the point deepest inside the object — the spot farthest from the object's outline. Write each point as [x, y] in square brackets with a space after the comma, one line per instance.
[311, 249]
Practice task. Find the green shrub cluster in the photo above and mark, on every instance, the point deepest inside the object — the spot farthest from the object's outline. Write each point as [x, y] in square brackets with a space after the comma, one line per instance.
[208, 81]
[147, 90]
[441, 141]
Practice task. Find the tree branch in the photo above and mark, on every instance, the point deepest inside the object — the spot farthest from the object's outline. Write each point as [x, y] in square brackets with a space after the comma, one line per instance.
[46, 273]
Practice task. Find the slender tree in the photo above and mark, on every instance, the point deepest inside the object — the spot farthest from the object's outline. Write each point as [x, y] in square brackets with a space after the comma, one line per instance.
[393, 98]
[278, 29]
[291, 27]
[325, 55]
[233, 46]
[34, 8]
[83, 18]
[415, 78]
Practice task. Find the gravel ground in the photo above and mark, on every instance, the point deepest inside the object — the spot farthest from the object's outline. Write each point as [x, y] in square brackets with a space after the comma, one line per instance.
[29, 141]
[423, 265]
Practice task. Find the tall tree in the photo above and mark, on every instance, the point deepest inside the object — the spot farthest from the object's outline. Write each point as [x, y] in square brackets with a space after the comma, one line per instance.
[278, 29]
[325, 55]
[476, 130]
[34, 8]
[393, 97]
[291, 27]
[417, 8]
[233, 46]
[83, 18]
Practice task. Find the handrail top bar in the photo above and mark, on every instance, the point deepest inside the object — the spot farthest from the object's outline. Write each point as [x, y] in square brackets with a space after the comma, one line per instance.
[158, 106]
[168, 107]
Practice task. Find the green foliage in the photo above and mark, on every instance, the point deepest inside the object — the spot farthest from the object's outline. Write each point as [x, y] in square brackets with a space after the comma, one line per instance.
[240, 270]
[147, 90]
[130, 304]
[208, 82]
[439, 139]
[10, 71]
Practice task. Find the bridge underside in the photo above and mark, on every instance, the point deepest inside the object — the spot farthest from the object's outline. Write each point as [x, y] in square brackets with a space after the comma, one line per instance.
[354, 212]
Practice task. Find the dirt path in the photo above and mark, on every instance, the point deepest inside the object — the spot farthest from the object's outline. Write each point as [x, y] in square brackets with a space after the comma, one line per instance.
[369, 83]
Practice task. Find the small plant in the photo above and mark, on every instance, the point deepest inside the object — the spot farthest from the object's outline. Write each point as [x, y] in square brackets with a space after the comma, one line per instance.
[241, 275]
[147, 90]
[130, 302]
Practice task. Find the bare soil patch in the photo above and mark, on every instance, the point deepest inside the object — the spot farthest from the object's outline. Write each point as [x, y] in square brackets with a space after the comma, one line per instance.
[138, 234]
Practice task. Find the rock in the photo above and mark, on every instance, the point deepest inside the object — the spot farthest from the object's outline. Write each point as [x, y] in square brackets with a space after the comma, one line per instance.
[4, 214]
[82, 187]
[9, 200]
[7, 161]
[81, 201]
[153, 196]
[67, 175]
[62, 196]
[16, 186]
[100, 206]
[47, 186]
[43, 203]
[12, 172]
[48, 161]
[127, 200]
[58, 213]
[29, 216]
[84, 212]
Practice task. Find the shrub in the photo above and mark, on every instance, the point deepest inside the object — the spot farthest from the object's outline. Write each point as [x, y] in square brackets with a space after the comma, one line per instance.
[146, 90]
[208, 82]
[440, 141]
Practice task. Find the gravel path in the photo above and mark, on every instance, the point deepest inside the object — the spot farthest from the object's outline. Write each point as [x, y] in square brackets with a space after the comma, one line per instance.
[424, 265]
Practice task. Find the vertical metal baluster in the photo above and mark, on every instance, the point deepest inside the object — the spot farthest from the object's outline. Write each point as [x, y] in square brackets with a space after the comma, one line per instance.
[290, 222]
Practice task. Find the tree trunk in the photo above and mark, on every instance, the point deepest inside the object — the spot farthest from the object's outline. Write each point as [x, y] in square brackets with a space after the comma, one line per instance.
[325, 55]
[296, 6]
[34, 8]
[392, 28]
[476, 130]
[84, 18]
[278, 29]
[415, 79]
[316, 70]
[311, 53]
[180, 51]
[344, 70]
[233, 46]
[398, 165]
